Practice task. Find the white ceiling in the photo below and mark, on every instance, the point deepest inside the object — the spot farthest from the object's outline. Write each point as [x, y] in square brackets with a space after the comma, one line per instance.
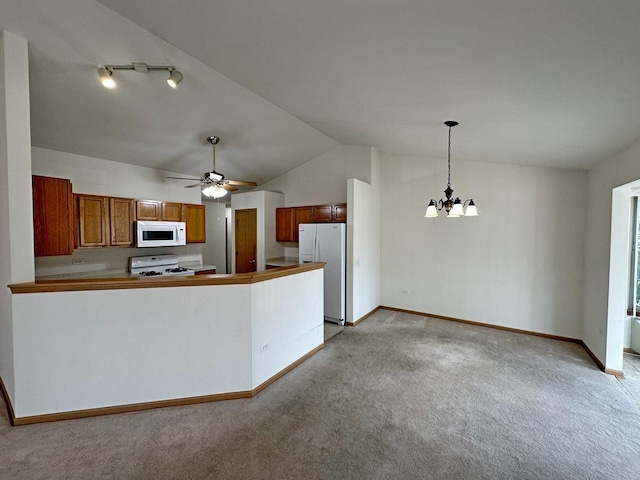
[540, 82]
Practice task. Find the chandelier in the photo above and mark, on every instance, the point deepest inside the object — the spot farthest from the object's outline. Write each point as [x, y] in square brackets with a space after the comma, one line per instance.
[454, 208]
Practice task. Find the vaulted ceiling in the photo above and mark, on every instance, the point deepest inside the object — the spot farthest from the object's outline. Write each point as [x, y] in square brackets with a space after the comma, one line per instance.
[542, 83]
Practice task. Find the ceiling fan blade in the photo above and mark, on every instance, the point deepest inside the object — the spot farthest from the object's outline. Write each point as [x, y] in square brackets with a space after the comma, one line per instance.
[195, 185]
[182, 178]
[229, 188]
[242, 183]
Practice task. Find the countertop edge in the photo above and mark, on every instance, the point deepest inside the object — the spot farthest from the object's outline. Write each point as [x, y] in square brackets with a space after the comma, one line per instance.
[75, 285]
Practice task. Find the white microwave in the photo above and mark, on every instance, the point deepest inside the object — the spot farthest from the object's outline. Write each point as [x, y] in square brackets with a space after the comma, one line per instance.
[160, 234]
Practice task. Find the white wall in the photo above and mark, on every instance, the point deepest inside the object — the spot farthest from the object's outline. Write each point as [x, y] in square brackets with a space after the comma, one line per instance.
[519, 264]
[214, 252]
[285, 327]
[98, 348]
[16, 226]
[603, 323]
[363, 244]
[97, 176]
[324, 178]
[265, 204]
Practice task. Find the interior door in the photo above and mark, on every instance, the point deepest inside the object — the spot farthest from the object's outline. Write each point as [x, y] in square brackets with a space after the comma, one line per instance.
[246, 240]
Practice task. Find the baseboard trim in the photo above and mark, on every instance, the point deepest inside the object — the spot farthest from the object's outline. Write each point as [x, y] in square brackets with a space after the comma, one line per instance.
[364, 317]
[615, 373]
[135, 407]
[488, 325]
[5, 395]
[630, 350]
[286, 370]
[596, 360]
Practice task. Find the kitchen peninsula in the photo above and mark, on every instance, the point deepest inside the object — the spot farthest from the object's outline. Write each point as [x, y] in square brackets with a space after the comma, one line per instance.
[96, 346]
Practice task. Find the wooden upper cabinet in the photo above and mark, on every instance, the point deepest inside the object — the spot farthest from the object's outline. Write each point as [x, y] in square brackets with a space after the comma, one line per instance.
[288, 219]
[301, 215]
[196, 224]
[172, 212]
[121, 220]
[284, 224]
[323, 213]
[52, 216]
[340, 213]
[148, 210]
[93, 223]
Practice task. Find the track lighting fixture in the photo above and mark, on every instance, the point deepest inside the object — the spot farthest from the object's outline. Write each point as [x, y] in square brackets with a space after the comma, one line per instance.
[105, 73]
[454, 208]
[175, 77]
[105, 77]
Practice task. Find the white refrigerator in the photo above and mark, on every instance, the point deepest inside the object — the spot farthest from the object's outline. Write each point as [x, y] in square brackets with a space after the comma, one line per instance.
[326, 242]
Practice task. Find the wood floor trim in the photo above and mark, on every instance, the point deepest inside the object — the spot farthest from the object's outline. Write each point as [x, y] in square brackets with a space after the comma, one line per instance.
[135, 407]
[5, 394]
[487, 325]
[364, 317]
[286, 370]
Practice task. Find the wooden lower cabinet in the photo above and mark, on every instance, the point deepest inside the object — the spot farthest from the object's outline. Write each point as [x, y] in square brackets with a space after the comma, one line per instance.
[194, 216]
[52, 216]
[122, 213]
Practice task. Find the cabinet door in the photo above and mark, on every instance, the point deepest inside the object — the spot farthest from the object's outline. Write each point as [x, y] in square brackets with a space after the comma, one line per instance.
[148, 210]
[93, 213]
[196, 224]
[121, 218]
[52, 216]
[301, 215]
[284, 224]
[340, 213]
[323, 213]
[172, 212]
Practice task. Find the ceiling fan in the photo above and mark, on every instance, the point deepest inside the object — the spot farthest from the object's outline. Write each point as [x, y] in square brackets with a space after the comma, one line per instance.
[216, 185]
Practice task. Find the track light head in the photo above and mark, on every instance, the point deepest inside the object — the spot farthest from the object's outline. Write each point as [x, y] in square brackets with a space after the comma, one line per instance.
[175, 77]
[104, 74]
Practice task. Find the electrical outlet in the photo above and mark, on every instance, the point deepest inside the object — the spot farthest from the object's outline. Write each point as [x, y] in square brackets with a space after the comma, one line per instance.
[405, 292]
[264, 347]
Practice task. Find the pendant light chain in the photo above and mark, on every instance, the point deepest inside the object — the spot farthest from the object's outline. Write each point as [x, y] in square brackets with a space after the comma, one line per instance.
[449, 160]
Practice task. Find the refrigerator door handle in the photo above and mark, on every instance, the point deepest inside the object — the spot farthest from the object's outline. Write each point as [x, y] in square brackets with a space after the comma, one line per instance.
[316, 250]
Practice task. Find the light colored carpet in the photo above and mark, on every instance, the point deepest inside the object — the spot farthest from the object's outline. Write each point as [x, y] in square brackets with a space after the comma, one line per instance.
[397, 397]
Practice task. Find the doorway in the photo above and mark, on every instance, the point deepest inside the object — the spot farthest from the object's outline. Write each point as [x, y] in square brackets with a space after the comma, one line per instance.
[246, 233]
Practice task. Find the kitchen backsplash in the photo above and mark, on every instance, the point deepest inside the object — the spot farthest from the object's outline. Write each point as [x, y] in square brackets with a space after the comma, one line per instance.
[102, 259]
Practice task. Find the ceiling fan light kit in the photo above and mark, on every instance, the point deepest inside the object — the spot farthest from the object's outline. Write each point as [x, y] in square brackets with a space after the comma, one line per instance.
[105, 73]
[213, 182]
[454, 208]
